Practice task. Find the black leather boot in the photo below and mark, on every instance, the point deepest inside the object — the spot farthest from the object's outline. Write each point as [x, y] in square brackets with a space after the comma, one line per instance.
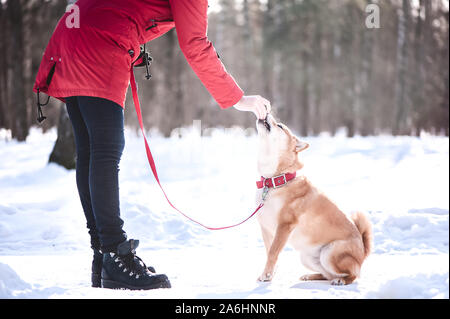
[123, 269]
[97, 263]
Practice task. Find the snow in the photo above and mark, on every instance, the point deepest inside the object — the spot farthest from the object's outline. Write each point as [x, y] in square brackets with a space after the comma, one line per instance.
[402, 183]
[10, 282]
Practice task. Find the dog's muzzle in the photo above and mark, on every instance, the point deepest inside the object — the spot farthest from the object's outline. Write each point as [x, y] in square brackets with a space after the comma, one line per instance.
[265, 123]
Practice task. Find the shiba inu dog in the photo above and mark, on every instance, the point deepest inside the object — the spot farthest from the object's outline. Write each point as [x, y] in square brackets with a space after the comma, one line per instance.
[330, 243]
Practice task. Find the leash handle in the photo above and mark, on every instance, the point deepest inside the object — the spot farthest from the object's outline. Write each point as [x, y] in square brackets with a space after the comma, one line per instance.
[151, 161]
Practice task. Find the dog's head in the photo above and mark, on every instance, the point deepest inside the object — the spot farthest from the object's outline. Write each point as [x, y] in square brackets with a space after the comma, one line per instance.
[278, 148]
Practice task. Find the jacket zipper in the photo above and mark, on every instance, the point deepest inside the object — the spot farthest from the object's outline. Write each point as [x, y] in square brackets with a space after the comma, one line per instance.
[154, 24]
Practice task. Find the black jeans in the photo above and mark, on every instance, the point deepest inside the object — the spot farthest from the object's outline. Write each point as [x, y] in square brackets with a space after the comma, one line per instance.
[98, 126]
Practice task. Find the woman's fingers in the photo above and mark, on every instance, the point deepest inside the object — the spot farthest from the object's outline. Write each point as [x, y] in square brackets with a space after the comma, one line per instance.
[267, 105]
[263, 106]
[264, 111]
[255, 103]
[261, 111]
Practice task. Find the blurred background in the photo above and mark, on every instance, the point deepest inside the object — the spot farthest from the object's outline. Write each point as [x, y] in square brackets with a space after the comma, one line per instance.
[315, 60]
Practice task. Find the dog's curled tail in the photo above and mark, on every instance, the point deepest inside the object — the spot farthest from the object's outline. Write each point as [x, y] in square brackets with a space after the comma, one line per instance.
[364, 226]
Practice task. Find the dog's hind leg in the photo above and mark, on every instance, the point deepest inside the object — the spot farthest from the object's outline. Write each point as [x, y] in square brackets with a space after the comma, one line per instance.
[313, 277]
[348, 265]
[340, 263]
[312, 262]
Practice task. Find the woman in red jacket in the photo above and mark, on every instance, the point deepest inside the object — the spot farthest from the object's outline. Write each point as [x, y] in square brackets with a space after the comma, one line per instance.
[87, 64]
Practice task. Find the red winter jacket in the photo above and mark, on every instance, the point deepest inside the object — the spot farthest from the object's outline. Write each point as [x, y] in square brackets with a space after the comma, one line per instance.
[94, 59]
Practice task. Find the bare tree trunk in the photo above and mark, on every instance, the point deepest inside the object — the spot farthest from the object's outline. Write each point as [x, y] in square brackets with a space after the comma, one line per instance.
[63, 152]
[367, 108]
[445, 104]
[174, 116]
[267, 53]
[333, 116]
[418, 78]
[30, 9]
[348, 94]
[443, 121]
[248, 40]
[402, 68]
[318, 77]
[3, 69]
[304, 117]
[20, 126]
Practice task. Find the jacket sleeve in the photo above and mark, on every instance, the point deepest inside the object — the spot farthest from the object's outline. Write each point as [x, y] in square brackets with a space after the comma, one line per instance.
[191, 23]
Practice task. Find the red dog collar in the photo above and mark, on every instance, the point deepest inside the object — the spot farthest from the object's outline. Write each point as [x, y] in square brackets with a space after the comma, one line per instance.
[276, 181]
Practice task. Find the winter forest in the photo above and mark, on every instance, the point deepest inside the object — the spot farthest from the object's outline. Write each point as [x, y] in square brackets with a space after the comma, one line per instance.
[365, 83]
[317, 61]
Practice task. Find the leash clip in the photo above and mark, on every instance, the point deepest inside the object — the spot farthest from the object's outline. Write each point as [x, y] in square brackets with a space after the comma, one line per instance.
[143, 60]
[264, 193]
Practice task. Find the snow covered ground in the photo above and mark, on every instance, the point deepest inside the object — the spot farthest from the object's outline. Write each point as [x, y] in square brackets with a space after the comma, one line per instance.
[402, 183]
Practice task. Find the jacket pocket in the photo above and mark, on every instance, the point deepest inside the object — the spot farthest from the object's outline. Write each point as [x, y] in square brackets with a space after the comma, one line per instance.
[50, 74]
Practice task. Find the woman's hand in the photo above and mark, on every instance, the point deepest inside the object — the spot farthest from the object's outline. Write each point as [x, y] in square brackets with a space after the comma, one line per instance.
[254, 103]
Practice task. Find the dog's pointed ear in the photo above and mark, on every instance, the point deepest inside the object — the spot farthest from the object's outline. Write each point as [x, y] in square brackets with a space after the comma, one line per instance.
[300, 145]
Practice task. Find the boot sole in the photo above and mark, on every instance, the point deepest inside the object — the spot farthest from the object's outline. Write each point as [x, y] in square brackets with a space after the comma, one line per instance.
[119, 285]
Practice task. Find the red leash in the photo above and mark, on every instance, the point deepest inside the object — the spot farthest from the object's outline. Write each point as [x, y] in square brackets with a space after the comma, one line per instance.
[152, 162]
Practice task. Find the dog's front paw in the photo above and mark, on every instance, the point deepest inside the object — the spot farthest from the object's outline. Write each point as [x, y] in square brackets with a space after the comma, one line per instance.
[266, 276]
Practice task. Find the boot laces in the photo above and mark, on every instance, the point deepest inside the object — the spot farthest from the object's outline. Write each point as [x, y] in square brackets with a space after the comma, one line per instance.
[132, 264]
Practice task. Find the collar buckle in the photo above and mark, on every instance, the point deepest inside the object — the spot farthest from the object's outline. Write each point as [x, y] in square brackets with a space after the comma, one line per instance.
[274, 184]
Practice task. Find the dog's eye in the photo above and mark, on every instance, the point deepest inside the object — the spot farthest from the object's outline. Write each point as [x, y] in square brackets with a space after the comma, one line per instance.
[280, 126]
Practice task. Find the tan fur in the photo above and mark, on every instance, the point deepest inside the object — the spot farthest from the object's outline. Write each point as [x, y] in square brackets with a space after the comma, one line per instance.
[329, 242]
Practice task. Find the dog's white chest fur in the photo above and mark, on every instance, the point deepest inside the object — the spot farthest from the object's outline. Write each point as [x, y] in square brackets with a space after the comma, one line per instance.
[268, 215]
